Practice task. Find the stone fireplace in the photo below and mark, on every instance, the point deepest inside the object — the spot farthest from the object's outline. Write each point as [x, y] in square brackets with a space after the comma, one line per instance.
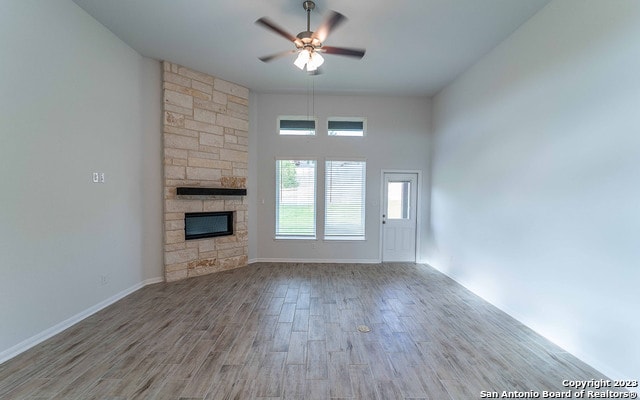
[205, 131]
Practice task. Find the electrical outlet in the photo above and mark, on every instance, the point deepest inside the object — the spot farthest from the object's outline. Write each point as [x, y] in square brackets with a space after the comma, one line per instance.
[104, 279]
[97, 177]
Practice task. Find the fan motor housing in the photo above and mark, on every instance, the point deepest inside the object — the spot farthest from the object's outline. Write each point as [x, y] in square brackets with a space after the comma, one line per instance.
[306, 39]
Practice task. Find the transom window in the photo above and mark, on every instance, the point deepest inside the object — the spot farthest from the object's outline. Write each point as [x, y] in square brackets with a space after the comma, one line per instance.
[340, 126]
[297, 126]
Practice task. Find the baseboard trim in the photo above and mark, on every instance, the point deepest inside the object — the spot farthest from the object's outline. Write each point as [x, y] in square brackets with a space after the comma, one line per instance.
[25, 345]
[316, 261]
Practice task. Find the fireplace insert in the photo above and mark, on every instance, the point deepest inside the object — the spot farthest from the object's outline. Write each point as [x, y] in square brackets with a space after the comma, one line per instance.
[208, 224]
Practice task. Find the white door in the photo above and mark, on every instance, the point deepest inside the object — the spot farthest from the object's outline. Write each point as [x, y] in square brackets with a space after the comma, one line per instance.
[399, 217]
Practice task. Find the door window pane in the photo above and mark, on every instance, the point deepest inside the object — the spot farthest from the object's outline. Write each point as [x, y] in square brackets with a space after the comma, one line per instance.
[398, 202]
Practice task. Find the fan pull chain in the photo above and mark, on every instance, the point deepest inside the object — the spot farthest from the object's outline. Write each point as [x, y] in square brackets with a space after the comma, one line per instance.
[311, 98]
[308, 100]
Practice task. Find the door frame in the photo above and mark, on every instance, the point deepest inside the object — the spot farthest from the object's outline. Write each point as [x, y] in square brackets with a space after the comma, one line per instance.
[418, 207]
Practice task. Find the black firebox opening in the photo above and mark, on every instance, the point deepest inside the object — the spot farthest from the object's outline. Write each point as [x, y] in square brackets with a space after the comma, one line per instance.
[208, 224]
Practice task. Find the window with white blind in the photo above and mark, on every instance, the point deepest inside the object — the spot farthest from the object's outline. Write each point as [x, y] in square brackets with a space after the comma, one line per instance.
[344, 200]
[295, 199]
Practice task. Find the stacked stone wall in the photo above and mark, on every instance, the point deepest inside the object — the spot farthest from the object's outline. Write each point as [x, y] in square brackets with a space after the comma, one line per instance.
[205, 128]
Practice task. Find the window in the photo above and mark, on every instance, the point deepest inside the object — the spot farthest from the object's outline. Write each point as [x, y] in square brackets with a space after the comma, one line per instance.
[344, 200]
[297, 126]
[295, 199]
[398, 200]
[346, 126]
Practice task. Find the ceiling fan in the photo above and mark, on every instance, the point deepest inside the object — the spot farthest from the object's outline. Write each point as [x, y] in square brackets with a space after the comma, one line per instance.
[309, 44]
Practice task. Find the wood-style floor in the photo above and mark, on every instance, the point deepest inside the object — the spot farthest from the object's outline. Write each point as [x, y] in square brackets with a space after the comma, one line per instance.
[289, 331]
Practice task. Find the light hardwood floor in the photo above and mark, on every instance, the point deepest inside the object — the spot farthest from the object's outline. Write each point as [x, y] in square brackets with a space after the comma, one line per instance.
[283, 331]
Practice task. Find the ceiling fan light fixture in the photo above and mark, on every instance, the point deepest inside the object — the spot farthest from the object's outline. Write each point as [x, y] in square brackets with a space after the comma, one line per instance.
[310, 58]
[316, 59]
[303, 58]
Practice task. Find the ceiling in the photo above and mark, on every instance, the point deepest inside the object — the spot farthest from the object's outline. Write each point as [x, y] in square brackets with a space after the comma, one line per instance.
[414, 47]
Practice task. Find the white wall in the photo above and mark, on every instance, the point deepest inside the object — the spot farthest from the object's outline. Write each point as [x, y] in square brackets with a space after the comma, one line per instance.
[536, 182]
[73, 99]
[397, 138]
[252, 179]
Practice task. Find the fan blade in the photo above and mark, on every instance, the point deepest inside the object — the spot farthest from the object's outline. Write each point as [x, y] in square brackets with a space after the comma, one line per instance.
[333, 20]
[277, 55]
[275, 28]
[342, 51]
